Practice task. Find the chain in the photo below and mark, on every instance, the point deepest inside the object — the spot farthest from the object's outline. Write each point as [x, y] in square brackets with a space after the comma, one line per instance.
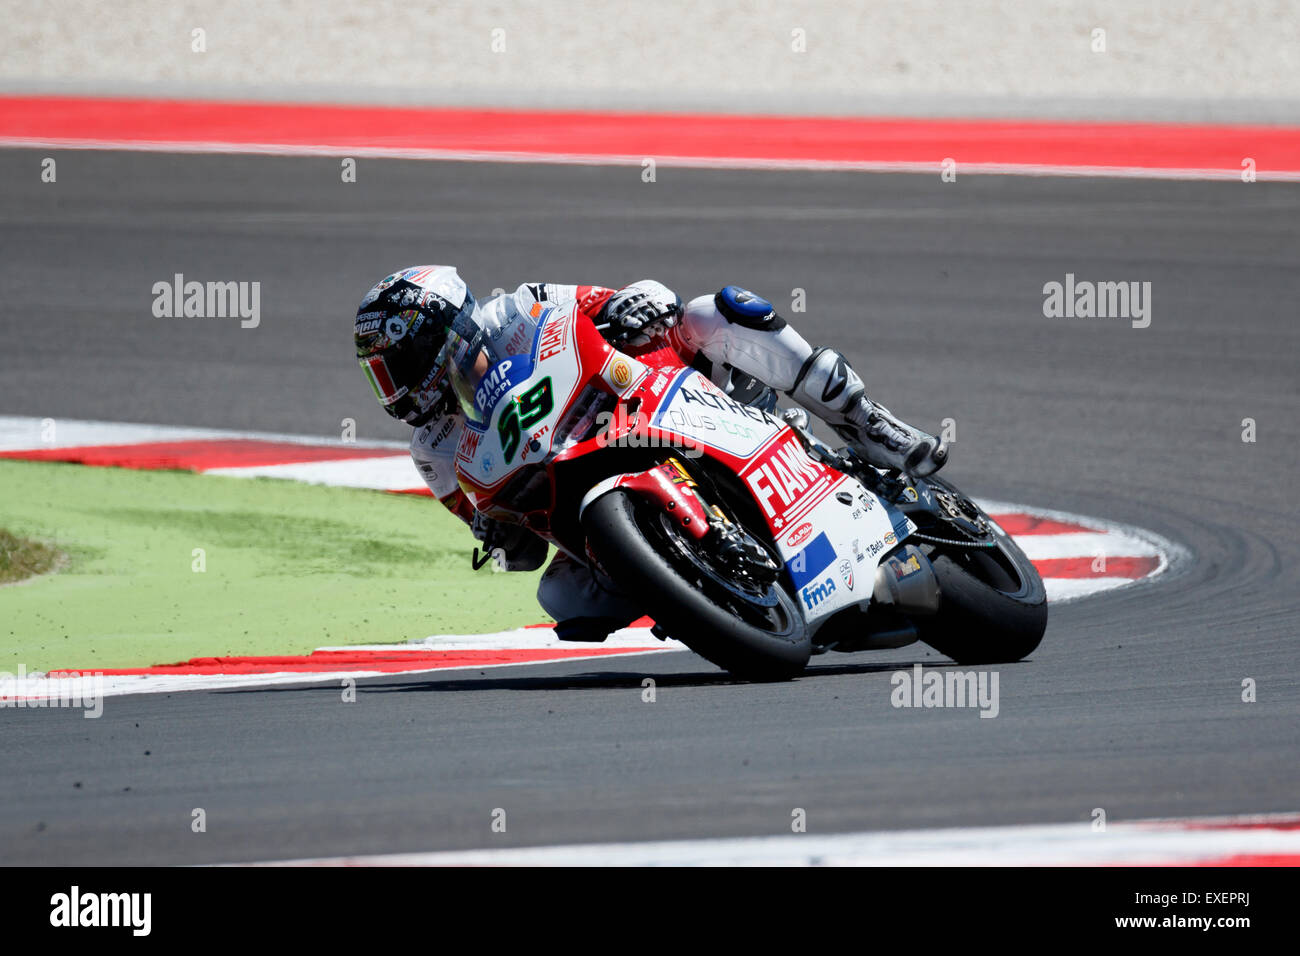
[931, 539]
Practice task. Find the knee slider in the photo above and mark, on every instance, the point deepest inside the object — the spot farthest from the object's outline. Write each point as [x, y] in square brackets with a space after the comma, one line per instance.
[741, 307]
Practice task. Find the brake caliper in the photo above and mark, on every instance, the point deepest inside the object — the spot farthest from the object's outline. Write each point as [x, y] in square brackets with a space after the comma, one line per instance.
[737, 548]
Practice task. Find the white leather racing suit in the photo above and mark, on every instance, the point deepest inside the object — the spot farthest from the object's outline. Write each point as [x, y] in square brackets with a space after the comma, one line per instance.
[741, 354]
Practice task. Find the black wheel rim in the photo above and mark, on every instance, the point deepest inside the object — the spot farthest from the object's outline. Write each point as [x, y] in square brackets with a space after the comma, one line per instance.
[762, 609]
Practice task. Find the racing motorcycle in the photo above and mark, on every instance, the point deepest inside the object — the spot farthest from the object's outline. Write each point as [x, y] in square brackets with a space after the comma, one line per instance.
[747, 538]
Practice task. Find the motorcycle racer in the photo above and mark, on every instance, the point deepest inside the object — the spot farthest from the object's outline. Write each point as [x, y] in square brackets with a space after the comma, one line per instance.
[414, 324]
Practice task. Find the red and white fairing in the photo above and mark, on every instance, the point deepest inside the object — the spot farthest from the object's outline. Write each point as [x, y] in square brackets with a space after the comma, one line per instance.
[830, 530]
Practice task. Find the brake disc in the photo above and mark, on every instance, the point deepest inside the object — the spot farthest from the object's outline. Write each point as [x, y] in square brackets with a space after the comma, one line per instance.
[758, 593]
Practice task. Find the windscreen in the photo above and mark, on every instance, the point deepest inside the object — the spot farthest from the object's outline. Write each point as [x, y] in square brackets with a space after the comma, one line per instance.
[469, 358]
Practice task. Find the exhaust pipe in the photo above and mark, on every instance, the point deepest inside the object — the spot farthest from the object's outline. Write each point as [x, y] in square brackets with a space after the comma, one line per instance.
[906, 582]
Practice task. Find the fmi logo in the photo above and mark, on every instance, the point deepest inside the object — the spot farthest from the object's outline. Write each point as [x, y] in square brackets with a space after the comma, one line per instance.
[814, 594]
[74, 909]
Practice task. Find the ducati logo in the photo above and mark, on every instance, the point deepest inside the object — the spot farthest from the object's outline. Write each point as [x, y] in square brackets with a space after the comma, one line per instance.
[846, 572]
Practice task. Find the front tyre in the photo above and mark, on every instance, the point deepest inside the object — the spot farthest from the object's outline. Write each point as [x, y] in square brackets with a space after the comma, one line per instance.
[753, 635]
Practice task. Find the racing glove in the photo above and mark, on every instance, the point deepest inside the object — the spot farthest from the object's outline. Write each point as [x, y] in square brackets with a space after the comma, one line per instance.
[641, 311]
[512, 546]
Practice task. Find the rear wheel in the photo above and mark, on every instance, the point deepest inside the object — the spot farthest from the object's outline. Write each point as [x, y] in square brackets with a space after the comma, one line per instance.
[993, 607]
[977, 623]
[755, 632]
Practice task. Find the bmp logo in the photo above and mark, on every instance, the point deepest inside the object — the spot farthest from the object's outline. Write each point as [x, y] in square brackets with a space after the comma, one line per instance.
[495, 384]
[814, 594]
[75, 909]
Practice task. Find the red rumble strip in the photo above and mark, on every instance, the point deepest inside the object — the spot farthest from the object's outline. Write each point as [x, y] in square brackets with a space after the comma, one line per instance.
[1020, 524]
[336, 661]
[199, 454]
[1008, 146]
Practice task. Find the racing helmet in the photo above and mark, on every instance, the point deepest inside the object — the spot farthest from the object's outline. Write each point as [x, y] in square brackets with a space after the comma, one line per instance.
[401, 334]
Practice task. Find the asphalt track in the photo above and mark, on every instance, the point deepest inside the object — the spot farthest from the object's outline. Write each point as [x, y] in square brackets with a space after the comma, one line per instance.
[1132, 704]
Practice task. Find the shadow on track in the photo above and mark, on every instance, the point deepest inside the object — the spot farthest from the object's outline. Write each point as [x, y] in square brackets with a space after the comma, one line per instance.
[620, 680]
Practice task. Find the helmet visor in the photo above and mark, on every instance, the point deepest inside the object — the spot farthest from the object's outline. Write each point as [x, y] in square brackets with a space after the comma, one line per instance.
[381, 380]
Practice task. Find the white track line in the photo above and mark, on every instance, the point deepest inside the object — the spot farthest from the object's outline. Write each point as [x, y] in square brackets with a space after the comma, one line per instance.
[525, 637]
[1044, 547]
[19, 693]
[1148, 842]
[23, 433]
[381, 473]
[1063, 590]
[926, 167]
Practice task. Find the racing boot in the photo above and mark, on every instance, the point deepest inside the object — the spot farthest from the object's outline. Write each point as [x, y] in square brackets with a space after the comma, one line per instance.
[585, 609]
[829, 387]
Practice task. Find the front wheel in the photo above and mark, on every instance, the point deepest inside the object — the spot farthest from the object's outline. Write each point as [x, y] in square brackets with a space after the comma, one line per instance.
[756, 634]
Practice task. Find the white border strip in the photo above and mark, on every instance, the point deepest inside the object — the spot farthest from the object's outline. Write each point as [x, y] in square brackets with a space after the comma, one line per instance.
[24, 433]
[1154, 842]
[595, 159]
[17, 693]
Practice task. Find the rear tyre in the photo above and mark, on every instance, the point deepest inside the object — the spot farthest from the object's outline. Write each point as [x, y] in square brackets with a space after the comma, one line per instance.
[993, 609]
[755, 637]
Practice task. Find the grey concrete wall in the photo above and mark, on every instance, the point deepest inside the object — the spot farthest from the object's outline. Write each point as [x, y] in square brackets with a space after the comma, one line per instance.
[1194, 59]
